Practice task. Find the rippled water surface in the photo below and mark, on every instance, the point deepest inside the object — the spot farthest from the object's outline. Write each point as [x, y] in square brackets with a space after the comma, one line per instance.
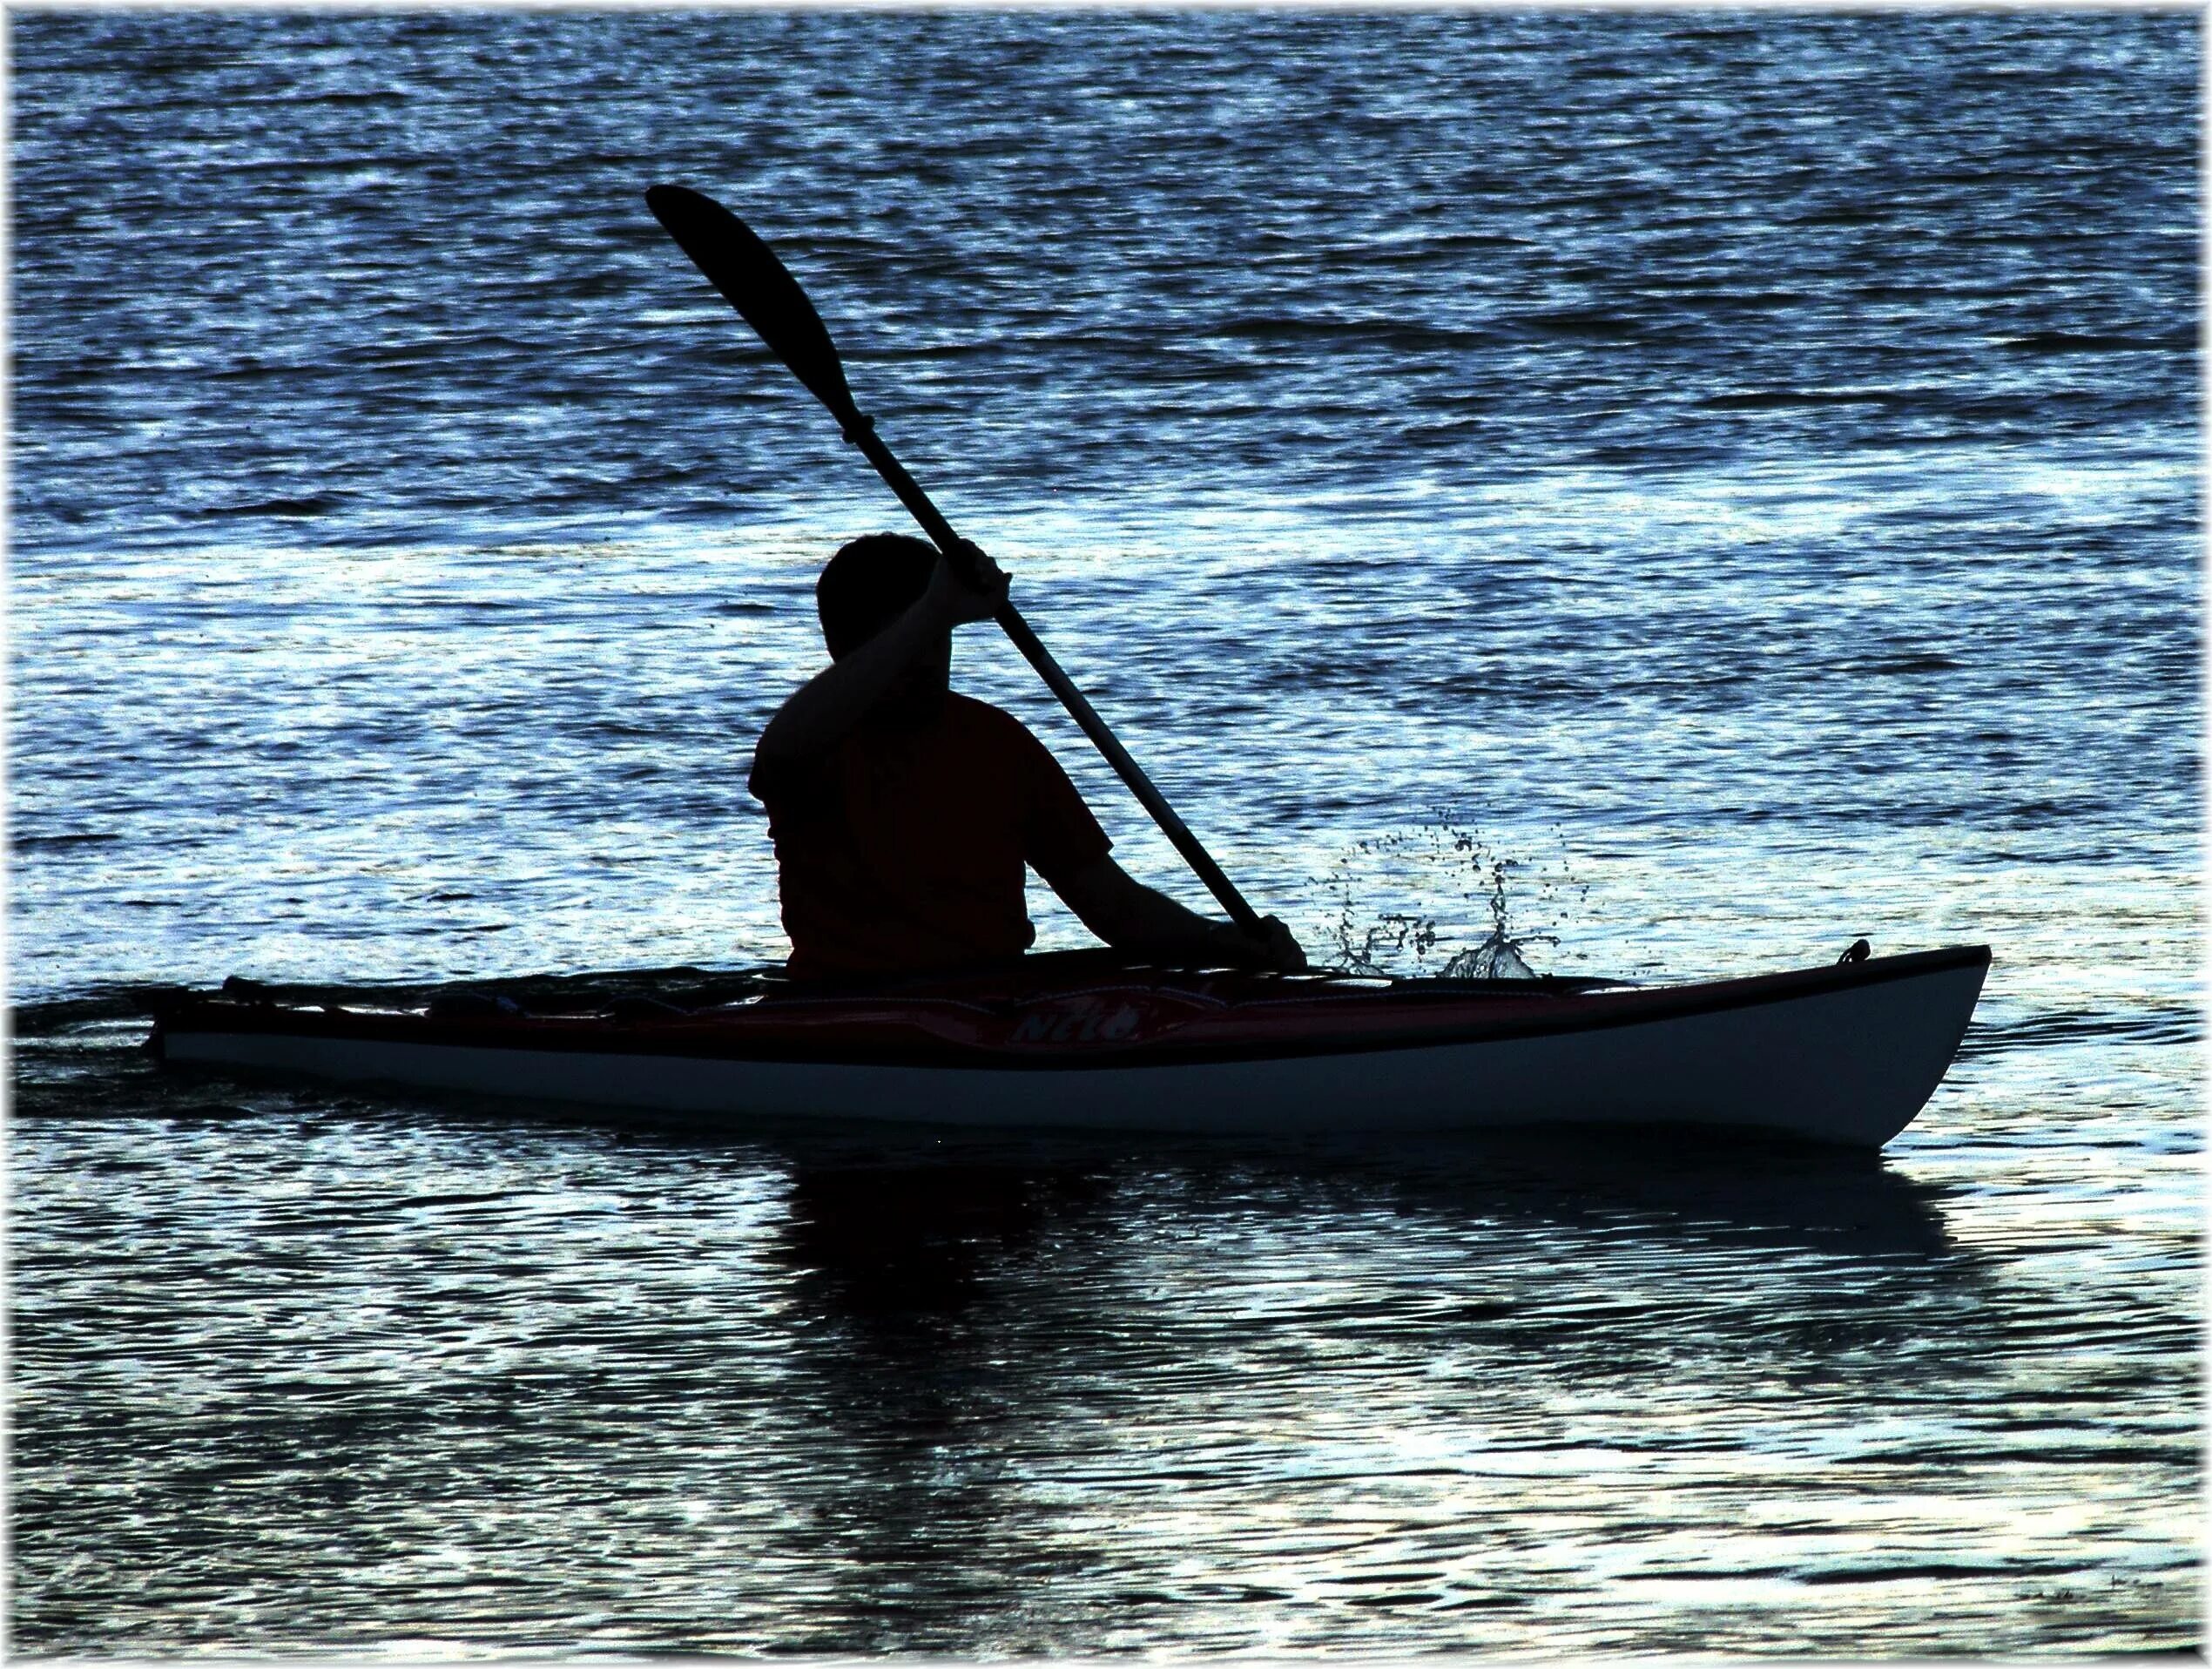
[1741, 469]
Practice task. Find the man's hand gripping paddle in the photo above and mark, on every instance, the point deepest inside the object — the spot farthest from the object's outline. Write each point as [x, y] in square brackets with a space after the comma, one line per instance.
[747, 272]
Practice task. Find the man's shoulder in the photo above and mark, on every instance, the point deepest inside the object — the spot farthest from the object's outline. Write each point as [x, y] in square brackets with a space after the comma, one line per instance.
[980, 718]
[996, 739]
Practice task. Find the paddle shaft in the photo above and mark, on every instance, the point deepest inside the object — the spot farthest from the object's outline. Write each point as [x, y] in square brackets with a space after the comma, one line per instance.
[863, 435]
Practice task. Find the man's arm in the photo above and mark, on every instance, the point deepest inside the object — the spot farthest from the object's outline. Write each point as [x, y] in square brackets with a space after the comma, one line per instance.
[1126, 913]
[824, 710]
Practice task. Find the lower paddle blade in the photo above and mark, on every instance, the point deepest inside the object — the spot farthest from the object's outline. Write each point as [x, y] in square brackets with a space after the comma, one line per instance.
[747, 272]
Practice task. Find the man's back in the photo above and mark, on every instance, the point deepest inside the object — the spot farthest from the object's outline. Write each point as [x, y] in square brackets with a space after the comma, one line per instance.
[904, 847]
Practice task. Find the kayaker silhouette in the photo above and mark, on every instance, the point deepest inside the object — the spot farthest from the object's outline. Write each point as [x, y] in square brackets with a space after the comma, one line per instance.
[904, 815]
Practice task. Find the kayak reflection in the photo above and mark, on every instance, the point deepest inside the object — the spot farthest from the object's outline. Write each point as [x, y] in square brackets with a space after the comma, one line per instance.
[894, 1238]
[928, 1226]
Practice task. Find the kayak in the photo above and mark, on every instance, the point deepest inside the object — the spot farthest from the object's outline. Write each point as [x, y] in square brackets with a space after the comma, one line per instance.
[1846, 1054]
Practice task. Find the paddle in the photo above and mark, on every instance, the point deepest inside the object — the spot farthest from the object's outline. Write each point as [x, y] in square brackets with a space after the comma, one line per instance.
[747, 272]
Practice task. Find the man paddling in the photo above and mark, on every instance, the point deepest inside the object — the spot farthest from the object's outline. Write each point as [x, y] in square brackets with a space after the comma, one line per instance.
[904, 815]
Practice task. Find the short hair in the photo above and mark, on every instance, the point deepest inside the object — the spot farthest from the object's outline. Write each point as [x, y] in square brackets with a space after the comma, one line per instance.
[867, 584]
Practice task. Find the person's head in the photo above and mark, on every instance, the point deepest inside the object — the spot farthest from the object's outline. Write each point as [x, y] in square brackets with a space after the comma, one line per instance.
[867, 584]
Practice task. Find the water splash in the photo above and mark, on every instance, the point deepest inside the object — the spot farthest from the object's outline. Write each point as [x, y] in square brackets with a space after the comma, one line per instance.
[1442, 884]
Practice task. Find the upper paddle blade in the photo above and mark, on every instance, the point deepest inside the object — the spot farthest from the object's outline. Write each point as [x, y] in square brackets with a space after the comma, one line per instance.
[747, 271]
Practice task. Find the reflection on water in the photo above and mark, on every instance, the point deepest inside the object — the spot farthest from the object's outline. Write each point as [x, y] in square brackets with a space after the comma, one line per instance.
[904, 1239]
[346, 1368]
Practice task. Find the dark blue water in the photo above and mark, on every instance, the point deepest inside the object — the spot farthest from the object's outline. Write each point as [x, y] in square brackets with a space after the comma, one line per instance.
[1742, 470]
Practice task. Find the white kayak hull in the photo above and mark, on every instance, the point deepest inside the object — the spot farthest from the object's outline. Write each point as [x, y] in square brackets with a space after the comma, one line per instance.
[1846, 1063]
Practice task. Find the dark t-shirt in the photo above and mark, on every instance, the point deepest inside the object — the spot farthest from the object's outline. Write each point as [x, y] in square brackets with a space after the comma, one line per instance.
[903, 850]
